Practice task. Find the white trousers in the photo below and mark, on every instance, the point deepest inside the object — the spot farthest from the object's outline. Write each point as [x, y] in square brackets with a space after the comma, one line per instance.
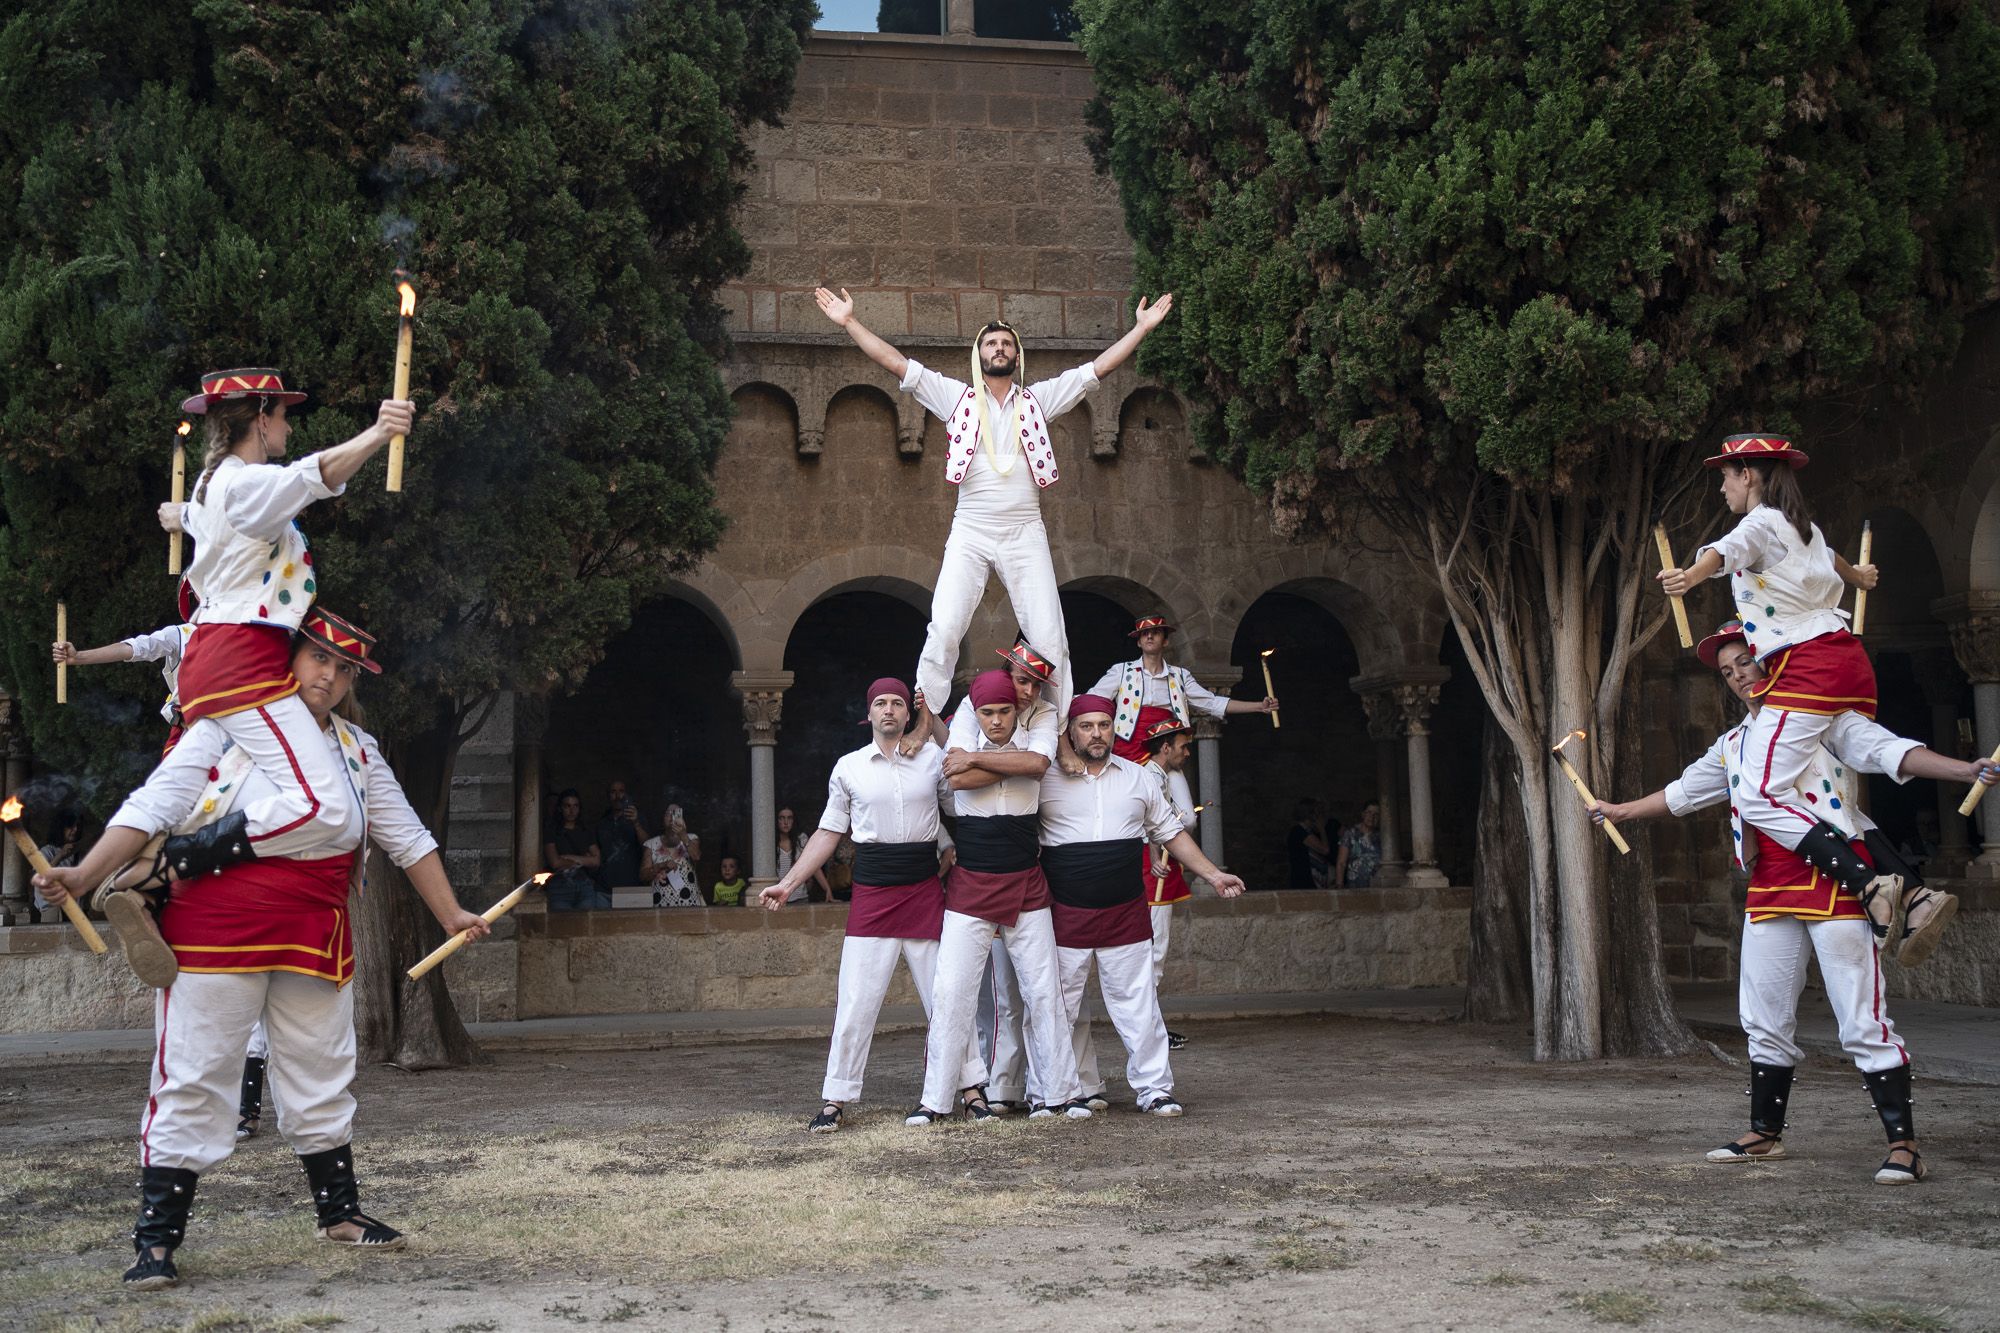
[1000, 1027]
[201, 1029]
[867, 966]
[1020, 556]
[313, 801]
[963, 955]
[1163, 925]
[1125, 979]
[1774, 975]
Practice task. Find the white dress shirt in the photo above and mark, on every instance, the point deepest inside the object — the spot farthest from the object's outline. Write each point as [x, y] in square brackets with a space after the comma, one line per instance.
[170, 797]
[886, 798]
[1153, 690]
[985, 494]
[1036, 732]
[244, 511]
[1119, 801]
[1786, 590]
[1008, 796]
[163, 645]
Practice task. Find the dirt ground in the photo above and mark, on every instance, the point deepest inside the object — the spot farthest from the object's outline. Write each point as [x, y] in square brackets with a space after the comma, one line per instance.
[1329, 1174]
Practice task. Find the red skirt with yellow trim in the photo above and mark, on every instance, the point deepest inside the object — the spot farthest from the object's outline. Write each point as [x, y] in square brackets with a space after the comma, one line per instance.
[1783, 883]
[278, 915]
[230, 668]
[1828, 675]
[1168, 889]
[1134, 747]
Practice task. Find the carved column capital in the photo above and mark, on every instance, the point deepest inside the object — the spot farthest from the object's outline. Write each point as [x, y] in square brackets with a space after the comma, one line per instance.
[1416, 703]
[1400, 704]
[1385, 720]
[763, 694]
[1974, 621]
[1207, 728]
[811, 441]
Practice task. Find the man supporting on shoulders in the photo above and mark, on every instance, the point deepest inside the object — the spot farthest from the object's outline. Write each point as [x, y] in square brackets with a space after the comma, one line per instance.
[889, 801]
[997, 893]
[1095, 827]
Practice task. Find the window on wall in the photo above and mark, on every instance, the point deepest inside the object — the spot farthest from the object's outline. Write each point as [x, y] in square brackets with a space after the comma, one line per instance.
[920, 16]
[1034, 20]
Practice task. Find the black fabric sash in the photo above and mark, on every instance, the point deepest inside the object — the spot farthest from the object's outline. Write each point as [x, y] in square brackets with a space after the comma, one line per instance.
[1095, 874]
[887, 864]
[998, 844]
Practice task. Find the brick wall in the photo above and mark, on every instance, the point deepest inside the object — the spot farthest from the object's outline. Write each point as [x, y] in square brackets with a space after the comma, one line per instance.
[945, 184]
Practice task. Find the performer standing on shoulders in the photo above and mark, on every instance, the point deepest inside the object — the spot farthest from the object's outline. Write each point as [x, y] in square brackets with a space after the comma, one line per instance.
[255, 582]
[999, 456]
[1168, 744]
[1095, 826]
[1794, 910]
[262, 939]
[889, 801]
[1148, 689]
[997, 894]
[1787, 587]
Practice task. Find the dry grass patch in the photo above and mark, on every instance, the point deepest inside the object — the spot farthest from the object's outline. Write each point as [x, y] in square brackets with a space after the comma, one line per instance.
[1614, 1305]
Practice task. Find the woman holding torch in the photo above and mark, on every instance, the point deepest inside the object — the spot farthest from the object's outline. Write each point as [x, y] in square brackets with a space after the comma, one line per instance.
[263, 938]
[255, 583]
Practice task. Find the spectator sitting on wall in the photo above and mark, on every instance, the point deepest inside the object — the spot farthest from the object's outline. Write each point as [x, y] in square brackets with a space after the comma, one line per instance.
[619, 838]
[789, 843]
[1306, 847]
[669, 864]
[728, 891]
[1360, 853]
[839, 871]
[570, 849]
[62, 852]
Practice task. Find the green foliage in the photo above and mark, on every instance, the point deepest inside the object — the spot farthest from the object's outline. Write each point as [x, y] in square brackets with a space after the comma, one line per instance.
[211, 183]
[1520, 236]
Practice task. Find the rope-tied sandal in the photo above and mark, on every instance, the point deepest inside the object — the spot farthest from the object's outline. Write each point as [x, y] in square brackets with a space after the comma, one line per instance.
[1740, 1152]
[374, 1235]
[827, 1121]
[1893, 1172]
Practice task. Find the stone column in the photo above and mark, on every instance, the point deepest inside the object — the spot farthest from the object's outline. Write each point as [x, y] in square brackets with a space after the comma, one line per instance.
[1416, 702]
[1208, 763]
[1385, 729]
[1974, 619]
[16, 903]
[763, 702]
[1938, 677]
[531, 720]
[958, 18]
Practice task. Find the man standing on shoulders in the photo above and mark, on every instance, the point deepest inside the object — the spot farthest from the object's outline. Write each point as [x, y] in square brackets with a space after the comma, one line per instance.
[1095, 827]
[999, 456]
[889, 801]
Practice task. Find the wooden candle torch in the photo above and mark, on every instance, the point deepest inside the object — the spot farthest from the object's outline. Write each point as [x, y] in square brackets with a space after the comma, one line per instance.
[10, 815]
[179, 495]
[1269, 693]
[406, 318]
[1680, 603]
[1861, 594]
[491, 914]
[62, 668]
[1610, 829]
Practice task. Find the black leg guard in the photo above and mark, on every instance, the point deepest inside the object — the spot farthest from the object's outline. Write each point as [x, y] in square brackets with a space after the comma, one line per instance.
[165, 1196]
[1887, 862]
[252, 1105]
[337, 1199]
[1770, 1091]
[1829, 852]
[210, 847]
[1890, 1089]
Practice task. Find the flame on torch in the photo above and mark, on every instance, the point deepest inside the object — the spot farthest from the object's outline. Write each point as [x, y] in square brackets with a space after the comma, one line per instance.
[409, 295]
[543, 878]
[184, 427]
[10, 811]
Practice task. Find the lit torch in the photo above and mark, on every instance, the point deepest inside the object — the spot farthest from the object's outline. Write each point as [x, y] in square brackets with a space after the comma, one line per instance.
[174, 538]
[1610, 829]
[10, 815]
[491, 914]
[1269, 693]
[407, 315]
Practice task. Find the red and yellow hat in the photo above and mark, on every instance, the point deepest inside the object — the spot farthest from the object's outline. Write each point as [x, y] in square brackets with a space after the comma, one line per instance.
[1757, 448]
[1144, 623]
[1730, 631]
[1024, 656]
[1166, 726]
[341, 639]
[219, 386]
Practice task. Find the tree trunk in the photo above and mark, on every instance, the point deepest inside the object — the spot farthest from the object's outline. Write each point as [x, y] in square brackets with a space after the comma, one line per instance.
[1499, 985]
[410, 1024]
[1640, 1015]
[1579, 857]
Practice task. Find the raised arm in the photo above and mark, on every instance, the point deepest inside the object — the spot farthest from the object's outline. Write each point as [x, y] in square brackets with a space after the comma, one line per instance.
[840, 309]
[338, 464]
[64, 651]
[1144, 320]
